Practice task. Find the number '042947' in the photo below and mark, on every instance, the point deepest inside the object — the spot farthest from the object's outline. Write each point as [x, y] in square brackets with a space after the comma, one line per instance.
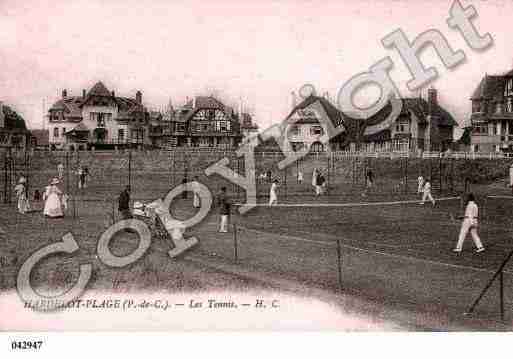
[26, 345]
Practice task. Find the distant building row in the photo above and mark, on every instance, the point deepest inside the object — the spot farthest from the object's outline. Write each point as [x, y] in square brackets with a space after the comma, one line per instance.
[423, 125]
[101, 119]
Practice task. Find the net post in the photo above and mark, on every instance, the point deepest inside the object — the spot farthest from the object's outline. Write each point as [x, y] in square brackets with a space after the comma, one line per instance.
[339, 264]
[501, 280]
[406, 173]
[235, 244]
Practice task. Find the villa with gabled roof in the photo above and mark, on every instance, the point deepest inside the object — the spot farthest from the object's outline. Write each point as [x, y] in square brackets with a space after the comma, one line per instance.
[97, 118]
[491, 121]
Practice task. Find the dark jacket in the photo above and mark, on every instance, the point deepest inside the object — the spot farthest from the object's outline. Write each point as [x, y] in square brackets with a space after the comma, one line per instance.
[124, 201]
[224, 204]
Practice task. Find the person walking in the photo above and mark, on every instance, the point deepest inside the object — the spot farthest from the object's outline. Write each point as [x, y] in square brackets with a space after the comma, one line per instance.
[318, 183]
[184, 183]
[426, 192]
[369, 182]
[52, 197]
[273, 196]
[469, 224]
[420, 182]
[21, 194]
[85, 177]
[60, 171]
[511, 177]
[81, 175]
[314, 179]
[124, 203]
[224, 210]
[195, 190]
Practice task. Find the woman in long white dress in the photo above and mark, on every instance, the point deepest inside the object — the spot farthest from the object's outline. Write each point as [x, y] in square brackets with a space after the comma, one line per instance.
[52, 197]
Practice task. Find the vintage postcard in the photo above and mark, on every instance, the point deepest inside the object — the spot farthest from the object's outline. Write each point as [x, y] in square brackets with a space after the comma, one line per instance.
[256, 166]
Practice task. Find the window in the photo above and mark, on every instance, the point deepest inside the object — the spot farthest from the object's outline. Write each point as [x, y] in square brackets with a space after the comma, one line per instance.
[509, 105]
[295, 130]
[56, 132]
[476, 106]
[63, 131]
[224, 126]
[316, 130]
[498, 108]
[121, 135]
[480, 129]
[180, 127]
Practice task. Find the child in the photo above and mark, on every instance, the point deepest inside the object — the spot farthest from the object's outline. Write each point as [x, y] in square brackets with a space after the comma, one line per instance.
[469, 224]
[273, 196]
[37, 195]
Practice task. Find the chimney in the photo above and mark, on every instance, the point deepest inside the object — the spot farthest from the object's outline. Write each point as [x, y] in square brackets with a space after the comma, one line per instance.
[193, 101]
[241, 108]
[138, 97]
[64, 93]
[2, 117]
[83, 93]
[432, 99]
[293, 100]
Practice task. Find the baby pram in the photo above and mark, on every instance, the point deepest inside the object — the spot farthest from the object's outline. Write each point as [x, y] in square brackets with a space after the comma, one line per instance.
[161, 225]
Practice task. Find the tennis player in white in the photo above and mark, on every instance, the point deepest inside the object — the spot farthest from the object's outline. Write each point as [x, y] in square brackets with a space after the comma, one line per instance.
[273, 196]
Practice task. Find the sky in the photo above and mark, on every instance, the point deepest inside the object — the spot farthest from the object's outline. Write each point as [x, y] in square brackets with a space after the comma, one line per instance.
[259, 51]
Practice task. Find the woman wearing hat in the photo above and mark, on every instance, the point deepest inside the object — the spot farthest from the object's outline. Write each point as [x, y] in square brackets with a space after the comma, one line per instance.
[21, 194]
[52, 196]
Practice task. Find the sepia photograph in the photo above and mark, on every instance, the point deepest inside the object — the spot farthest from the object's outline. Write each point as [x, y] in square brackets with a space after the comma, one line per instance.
[255, 167]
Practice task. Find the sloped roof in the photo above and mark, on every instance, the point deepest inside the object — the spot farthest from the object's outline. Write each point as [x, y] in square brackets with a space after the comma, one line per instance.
[70, 106]
[99, 89]
[490, 87]
[12, 120]
[336, 117]
[208, 102]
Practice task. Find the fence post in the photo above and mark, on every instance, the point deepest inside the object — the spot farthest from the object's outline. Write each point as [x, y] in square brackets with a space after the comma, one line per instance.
[235, 244]
[406, 174]
[440, 172]
[339, 264]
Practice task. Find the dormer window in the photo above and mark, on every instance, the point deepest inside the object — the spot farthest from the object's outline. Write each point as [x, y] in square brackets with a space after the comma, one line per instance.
[476, 106]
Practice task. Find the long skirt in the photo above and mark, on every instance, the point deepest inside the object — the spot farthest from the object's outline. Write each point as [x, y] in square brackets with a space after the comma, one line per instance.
[53, 207]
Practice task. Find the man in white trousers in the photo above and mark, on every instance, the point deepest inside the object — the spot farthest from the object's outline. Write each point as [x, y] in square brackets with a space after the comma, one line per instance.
[426, 192]
[196, 189]
[469, 224]
[273, 196]
[224, 210]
